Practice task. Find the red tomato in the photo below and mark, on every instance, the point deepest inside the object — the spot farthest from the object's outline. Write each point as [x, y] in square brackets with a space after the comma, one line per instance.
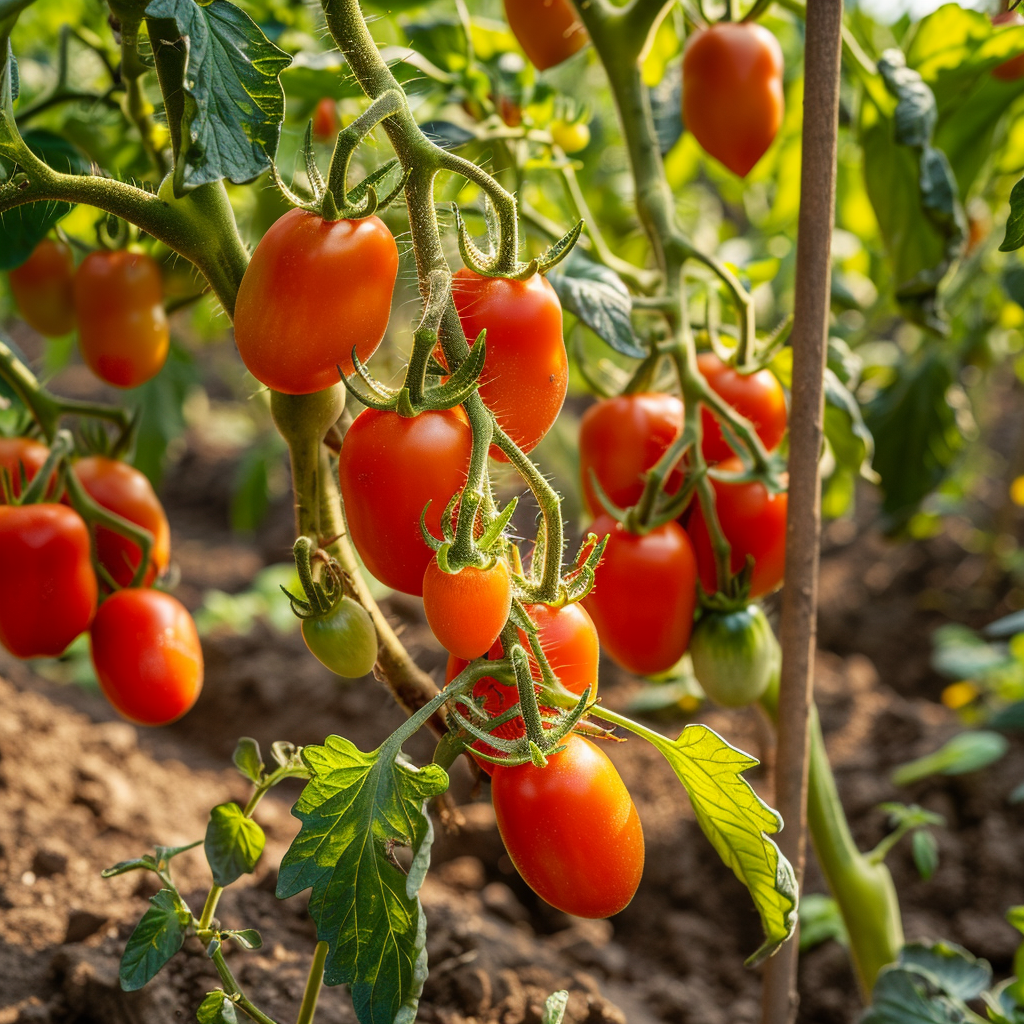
[122, 328]
[147, 657]
[17, 453]
[43, 288]
[325, 120]
[754, 523]
[1012, 69]
[122, 489]
[314, 290]
[467, 610]
[390, 467]
[732, 92]
[548, 30]
[757, 396]
[527, 371]
[644, 596]
[47, 586]
[621, 439]
[571, 829]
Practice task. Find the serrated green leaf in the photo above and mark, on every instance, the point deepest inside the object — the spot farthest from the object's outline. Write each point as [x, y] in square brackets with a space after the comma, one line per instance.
[737, 822]
[248, 760]
[233, 100]
[954, 970]
[901, 996]
[216, 1008]
[157, 937]
[354, 810]
[965, 752]
[233, 844]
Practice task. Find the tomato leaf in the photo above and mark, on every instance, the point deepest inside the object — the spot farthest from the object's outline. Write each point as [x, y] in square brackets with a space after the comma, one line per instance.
[925, 851]
[354, 810]
[157, 937]
[216, 1008]
[737, 822]
[248, 759]
[821, 920]
[598, 297]
[232, 105]
[233, 844]
[965, 752]
[905, 997]
[1014, 237]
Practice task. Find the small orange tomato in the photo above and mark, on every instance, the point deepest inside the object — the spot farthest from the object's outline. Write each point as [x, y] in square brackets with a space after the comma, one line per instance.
[466, 610]
[43, 288]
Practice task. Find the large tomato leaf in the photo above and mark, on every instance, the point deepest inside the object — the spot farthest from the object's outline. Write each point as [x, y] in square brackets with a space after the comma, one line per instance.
[231, 104]
[354, 810]
[157, 937]
[233, 844]
[850, 442]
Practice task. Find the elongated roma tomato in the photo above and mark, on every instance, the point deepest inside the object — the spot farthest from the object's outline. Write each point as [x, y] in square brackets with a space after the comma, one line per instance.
[17, 455]
[526, 373]
[43, 288]
[147, 656]
[732, 92]
[314, 290]
[123, 333]
[48, 588]
[571, 829]
[390, 467]
[123, 490]
[644, 595]
[466, 610]
[549, 31]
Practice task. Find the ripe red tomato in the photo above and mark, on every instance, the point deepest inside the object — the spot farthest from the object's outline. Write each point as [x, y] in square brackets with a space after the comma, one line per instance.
[43, 288]
[314, 290]
[390, 467]
[644, 596]
[621, 439]
[147, 657]
[548, 30]
[754, 523]
[1012, 69]
[17, 453]
[527, 370]
[757, 396]
[122, 489]
[122, 328]
[48, 589]
[325, 120]
[571, 829]
[732, 92]
[467, 610]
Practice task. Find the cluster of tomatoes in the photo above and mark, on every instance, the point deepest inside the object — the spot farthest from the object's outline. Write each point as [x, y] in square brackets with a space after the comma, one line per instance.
[145, 648]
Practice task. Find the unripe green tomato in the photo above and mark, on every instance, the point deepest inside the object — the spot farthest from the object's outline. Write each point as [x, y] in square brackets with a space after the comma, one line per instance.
[570, 138]
[734, 654]
[343, 640]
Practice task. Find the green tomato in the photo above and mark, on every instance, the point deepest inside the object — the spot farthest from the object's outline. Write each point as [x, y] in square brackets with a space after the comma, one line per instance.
[570, 138]
[343, 639]
[734, 655]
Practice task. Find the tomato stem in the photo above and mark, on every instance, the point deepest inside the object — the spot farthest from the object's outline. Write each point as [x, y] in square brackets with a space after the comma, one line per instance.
[314, 981]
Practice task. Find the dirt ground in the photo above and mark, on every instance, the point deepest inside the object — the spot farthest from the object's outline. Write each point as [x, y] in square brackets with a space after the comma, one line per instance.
[81, 790]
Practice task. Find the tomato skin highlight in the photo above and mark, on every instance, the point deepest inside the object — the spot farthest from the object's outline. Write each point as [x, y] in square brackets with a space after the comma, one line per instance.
[621, 439]
[754, 523]
[123, 333]
[732, 92]
[734, 655]
[548, 30]
[467, 610]
[344, 640]
[313, 290]
[757, 396]
[17, 453]
[644, 595]
[526, 373]
[122, 489]
[48, 589]
[389, 468]
[571, 829]
[1012, 69]
[325, 120]
[43, 288]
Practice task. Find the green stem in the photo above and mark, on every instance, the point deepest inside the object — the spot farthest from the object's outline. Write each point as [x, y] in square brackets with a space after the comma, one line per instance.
[313, 984]
[137, 107]
[232, 989]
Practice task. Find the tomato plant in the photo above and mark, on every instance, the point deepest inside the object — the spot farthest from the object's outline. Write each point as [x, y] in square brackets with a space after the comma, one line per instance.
[734, 655]
[43, 288]
[589, 872]
[20, 455]
[147, 656]
[467, 610]
[123, 333]
[548, 30]
[340, 274]
[48, 588]
[343, 639]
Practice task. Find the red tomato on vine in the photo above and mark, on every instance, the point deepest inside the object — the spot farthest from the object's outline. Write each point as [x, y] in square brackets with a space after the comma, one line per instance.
[314, 290]
[390, 467]
[19, 454]
[122, 328]
[467, 610]
[571, 829]
[325, 120]
[147, 656]
[754, 523]
[549, 31]
[43, 288]
[526, 372]
[48, 588]
[1012, 69]
[644, 595]
[732, 92]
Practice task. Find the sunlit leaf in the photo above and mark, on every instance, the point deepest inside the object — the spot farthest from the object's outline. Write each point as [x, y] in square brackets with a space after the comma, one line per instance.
[157, 937]
[216, 1008]
[233, 844]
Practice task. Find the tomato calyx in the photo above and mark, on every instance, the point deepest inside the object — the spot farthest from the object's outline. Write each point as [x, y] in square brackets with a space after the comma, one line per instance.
[321, 595]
